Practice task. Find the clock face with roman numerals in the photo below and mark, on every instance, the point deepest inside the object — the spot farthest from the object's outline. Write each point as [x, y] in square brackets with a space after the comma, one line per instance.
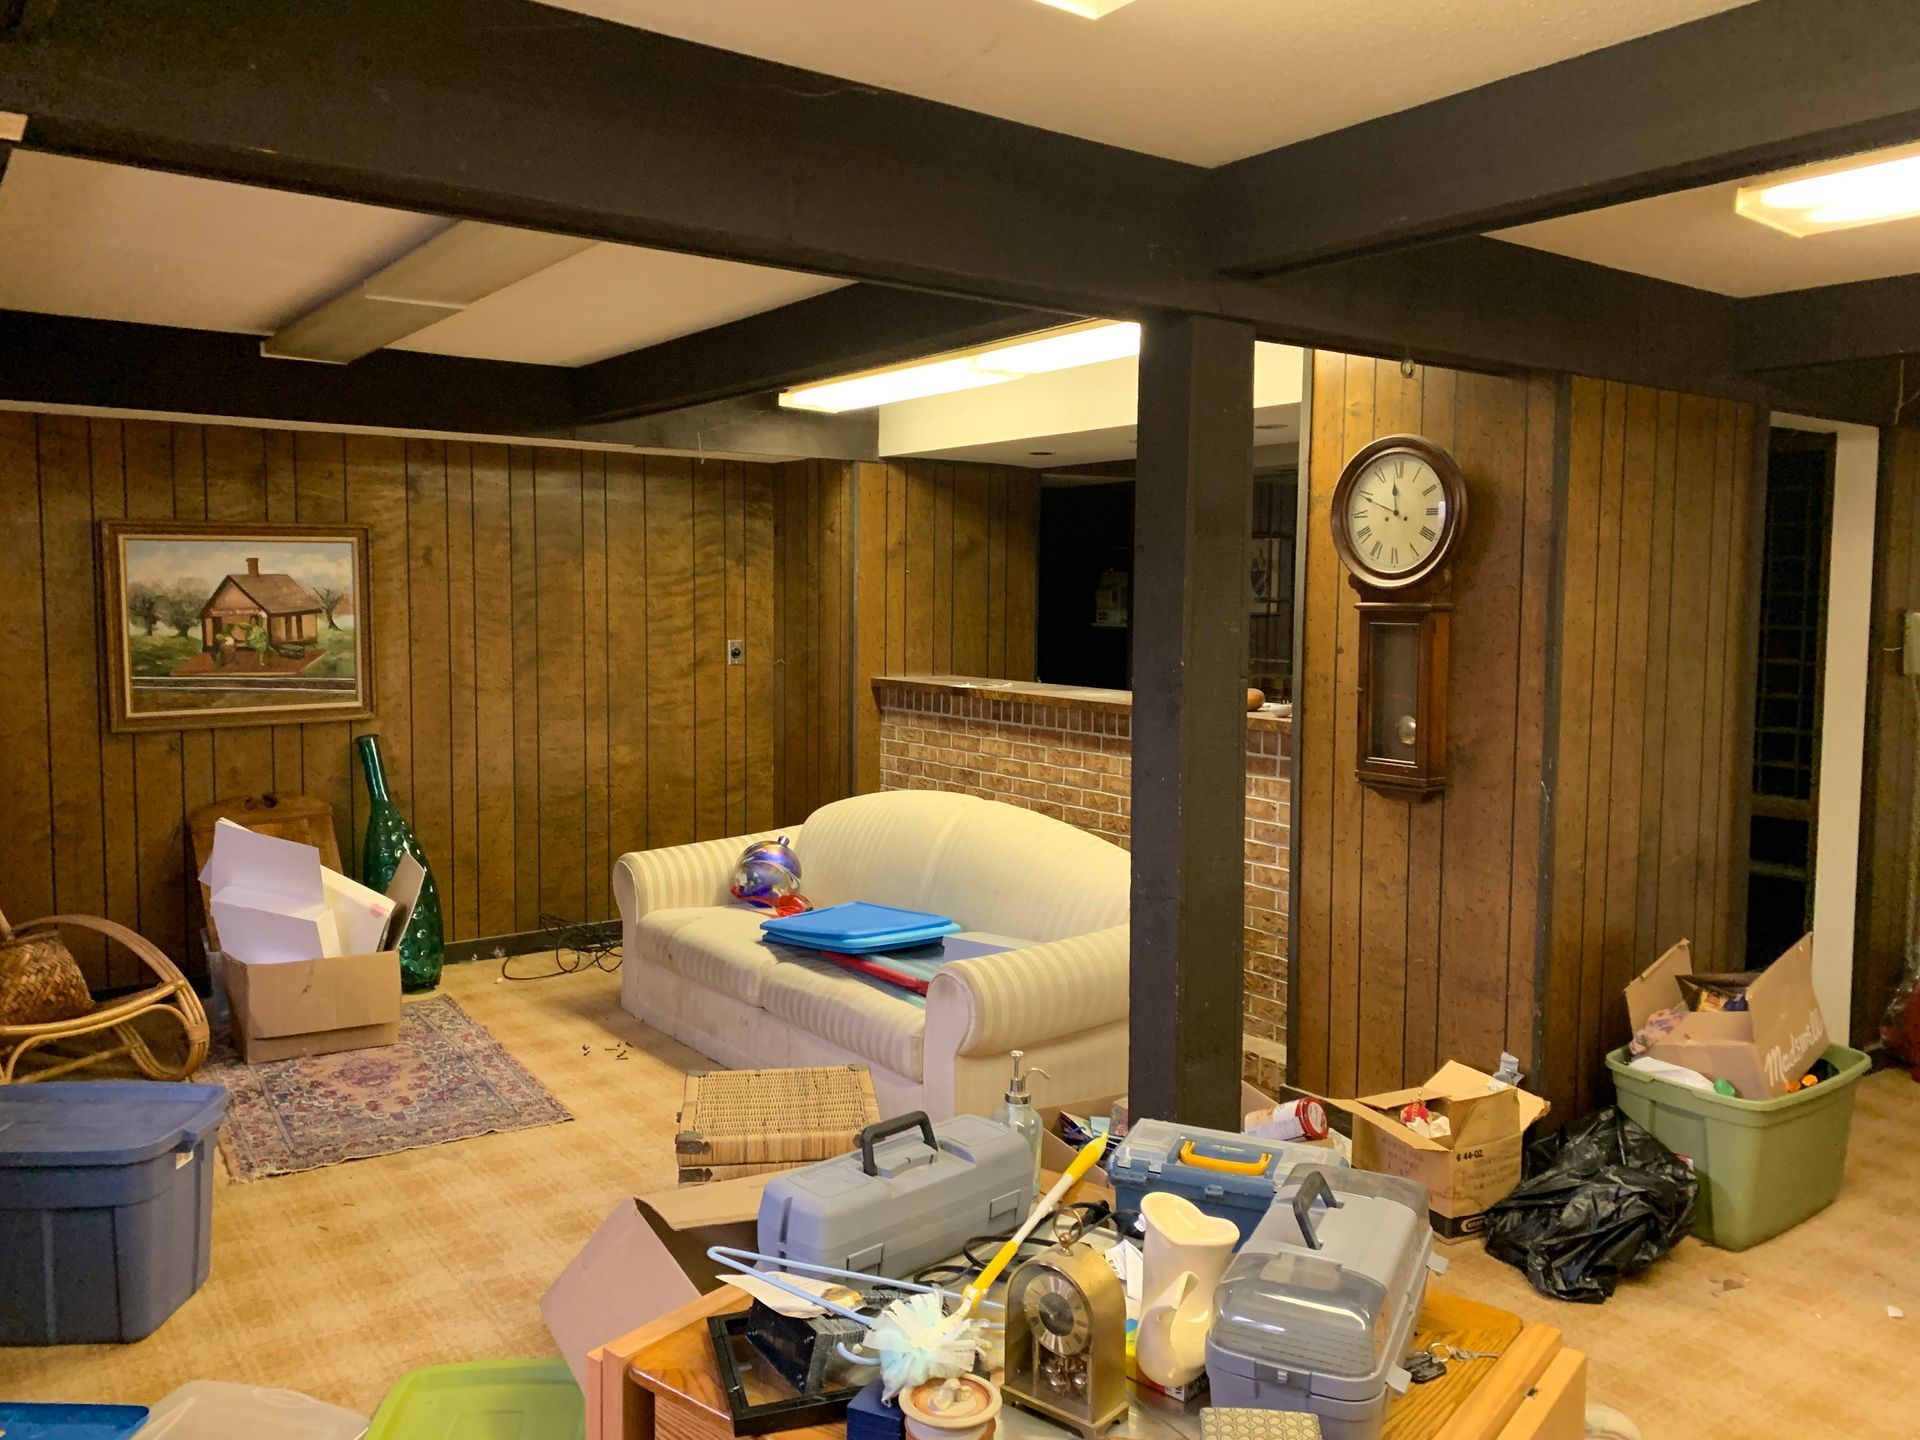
[1397, 511]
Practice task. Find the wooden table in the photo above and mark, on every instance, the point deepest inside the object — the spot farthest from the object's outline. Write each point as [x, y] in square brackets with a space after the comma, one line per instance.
[660, 1381]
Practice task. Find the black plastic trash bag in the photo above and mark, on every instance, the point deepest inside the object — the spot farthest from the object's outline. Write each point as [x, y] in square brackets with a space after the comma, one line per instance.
[1602, 1199]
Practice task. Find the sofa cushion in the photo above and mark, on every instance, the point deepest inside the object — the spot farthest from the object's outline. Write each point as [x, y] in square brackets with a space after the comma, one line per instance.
[1017, 872]
[653, 932]
[717, 946]
[824, 1000]
[878, 848]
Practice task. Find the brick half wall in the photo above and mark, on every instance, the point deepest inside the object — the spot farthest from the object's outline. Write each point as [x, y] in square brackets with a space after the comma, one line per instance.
[1069, 754]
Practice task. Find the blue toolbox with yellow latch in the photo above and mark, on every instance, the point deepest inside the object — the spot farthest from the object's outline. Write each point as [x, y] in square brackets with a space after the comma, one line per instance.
[1232, 1176]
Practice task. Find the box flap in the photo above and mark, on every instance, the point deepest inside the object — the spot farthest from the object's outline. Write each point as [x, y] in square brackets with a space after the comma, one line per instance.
[1363, 1110]
[1392, 1100]
[647, 1259]
[1789, 1032]
[1460, 1082]
[1480, 1119]
[1657, 987]
[404, 891]
[298, 997]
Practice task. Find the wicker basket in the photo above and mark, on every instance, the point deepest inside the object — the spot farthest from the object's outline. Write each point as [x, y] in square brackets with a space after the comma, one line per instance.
[40, 981]
[750, 1122]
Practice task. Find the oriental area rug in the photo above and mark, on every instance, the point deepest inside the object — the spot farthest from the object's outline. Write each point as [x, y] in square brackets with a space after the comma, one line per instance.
[446, 1079]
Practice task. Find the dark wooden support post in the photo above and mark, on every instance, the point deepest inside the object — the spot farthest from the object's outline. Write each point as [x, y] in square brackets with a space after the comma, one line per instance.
[1193, 501]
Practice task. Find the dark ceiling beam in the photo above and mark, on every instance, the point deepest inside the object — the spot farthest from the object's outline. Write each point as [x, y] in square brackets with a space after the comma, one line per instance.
[1491, 305]
[525, 114]
[1757, 88]
[111, 364]
[857, 327]
[1866, 320]
[743, 425]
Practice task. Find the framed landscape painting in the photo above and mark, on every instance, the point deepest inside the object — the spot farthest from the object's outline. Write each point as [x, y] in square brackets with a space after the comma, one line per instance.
[209, 623]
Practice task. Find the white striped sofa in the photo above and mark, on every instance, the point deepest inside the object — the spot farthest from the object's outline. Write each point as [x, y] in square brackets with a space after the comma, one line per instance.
[695, 966]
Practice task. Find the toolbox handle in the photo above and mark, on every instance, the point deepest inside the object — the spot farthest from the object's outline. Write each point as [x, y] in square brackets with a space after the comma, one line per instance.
[1314, 1187]
[1191, 1154]
[881, 1129]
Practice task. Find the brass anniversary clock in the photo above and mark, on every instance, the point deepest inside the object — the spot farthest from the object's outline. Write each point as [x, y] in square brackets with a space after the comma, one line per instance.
[1398, 512]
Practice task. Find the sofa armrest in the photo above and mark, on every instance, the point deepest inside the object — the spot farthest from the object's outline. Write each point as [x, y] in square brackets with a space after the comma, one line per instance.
[681, 875]
[1021, 998]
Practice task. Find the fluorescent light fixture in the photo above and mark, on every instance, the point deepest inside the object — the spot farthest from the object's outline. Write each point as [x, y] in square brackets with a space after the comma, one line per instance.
[1064, 349]
[1863, 190]
[1090, 9]
[883, 387]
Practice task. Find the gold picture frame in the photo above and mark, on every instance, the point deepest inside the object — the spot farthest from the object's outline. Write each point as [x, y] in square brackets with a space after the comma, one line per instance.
[220, 623]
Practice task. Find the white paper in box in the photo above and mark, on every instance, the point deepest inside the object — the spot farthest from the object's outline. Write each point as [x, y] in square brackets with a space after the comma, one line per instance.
[274, 902]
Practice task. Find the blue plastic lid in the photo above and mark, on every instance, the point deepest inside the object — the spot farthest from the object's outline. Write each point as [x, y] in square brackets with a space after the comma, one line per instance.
[858, 926]
[102, 1122]
[71, 1422]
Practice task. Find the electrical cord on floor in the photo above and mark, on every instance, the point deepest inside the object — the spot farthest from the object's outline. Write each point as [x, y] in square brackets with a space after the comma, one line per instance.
[578, 946]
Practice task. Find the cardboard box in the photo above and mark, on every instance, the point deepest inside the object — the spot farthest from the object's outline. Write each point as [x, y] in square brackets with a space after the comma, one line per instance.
[647, 1259]
[287, 1008]
[1761, 1050]
[1467, 1171]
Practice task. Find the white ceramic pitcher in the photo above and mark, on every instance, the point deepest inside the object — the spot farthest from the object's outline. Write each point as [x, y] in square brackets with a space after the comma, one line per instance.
[1187, 1251]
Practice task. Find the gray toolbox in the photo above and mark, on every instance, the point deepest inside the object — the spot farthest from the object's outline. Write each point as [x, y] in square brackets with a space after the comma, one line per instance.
[1316, 1311]
[902, 1200]
[1227, 1175]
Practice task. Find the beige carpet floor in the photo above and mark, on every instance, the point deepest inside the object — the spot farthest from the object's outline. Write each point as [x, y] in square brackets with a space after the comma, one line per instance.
[338, 1281]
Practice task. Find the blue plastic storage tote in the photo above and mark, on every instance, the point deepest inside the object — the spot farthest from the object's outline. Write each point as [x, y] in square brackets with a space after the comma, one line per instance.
[858, 928]
[70, 1422]
[106, 1206]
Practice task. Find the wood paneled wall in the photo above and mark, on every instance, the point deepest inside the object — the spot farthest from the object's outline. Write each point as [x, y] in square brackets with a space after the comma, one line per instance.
[812, 613]
[1893, 733]
[1598, 733]
[1653, 750]
[947, 580]
[1415, 933]
[551, 629]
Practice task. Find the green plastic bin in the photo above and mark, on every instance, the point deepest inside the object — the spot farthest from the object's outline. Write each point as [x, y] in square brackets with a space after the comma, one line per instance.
[484, 1400]
[1764, 1165]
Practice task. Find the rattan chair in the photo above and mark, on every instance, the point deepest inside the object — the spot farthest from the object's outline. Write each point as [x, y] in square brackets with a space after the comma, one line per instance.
[111, 1029]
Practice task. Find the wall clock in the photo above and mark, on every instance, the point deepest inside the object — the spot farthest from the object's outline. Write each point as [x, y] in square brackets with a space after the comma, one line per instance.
[1399, 510]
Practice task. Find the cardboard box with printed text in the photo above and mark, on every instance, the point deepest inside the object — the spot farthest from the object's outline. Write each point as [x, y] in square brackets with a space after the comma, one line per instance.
[1761, 1050]
[1465, 1172]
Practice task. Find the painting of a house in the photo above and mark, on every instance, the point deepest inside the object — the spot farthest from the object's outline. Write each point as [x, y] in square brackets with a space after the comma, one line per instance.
[287, 610]
[217, 624]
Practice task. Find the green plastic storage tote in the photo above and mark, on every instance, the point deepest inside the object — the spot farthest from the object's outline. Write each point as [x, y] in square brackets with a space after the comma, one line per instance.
[494, 1399]
[1764, 1165]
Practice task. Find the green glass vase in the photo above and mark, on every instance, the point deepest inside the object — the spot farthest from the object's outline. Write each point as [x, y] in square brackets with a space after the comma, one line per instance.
[422, 944]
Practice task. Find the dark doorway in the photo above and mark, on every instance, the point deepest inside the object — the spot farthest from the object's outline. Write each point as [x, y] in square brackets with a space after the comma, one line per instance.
[1086, 570]
[1086, 580]
[1787, 694]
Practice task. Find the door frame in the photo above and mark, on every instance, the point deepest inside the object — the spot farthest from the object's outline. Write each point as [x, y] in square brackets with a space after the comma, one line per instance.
[1843, 707]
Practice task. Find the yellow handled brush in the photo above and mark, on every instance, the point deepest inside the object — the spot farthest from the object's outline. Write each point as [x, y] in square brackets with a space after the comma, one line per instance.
[917, 1342]
[1088, 1157]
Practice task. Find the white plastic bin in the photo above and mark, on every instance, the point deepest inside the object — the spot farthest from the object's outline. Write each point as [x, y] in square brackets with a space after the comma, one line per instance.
[218, 1410]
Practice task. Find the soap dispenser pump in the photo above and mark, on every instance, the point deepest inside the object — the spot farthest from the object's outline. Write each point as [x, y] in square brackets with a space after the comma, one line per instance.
[1016, 1110]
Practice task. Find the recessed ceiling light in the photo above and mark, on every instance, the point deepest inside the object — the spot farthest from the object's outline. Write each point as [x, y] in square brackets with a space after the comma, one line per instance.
[1040, 454]
[1844, 195]
[1089, 9]
[1063, 349]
